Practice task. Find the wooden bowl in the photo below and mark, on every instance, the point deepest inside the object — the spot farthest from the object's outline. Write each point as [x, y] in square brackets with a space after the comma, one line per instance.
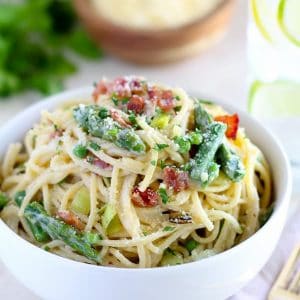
[159, 46]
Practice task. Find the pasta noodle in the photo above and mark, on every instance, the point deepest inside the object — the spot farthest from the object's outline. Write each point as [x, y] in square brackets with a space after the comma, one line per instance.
[140, 214]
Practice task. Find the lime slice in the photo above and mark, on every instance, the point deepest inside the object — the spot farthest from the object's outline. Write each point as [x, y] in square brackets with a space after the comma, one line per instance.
[261, 16]
[288, 17]
[279, 98]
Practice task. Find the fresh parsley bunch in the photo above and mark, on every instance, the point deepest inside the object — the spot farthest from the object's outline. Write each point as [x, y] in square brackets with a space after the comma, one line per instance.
[36, 37]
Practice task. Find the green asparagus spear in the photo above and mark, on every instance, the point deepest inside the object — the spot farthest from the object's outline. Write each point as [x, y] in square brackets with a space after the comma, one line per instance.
[39, 234]
[58, 230]
[230, 163]
[96, 121]
[202, 167]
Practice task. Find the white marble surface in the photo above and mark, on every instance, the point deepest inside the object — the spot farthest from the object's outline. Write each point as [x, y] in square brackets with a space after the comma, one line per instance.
[219, 72]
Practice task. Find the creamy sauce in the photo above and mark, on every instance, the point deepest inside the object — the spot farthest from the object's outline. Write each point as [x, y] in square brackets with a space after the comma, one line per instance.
[154, 14]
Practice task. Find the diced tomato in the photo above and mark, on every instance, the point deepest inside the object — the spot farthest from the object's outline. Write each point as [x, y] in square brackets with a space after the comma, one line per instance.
[101, 164]
[148, 198]
[70, 218]
[166, 101]
[232, 123]
[100, 89]
[116, 116]
[173, 178]
[136, 104]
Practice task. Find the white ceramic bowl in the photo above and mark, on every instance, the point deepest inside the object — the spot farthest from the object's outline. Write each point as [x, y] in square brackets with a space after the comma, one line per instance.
[218, 277]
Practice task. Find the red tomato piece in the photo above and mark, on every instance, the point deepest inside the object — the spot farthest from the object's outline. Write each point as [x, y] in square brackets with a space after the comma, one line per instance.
[232, 123]
[148, 198]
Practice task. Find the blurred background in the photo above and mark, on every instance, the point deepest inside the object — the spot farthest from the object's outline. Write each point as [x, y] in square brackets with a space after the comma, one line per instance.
[61, 55]
[213, 49]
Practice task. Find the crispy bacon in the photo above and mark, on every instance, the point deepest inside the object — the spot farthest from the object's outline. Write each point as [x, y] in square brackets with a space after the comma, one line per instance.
[173, 178]
[71, 219]
[232, 123]
[136, 87]
[136, 104]
[116, 116]
[121, 87]
[100, 89]
[148, 198]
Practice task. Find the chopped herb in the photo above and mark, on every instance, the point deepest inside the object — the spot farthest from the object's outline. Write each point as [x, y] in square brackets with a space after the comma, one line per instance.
[94, 146]
[132, 118]
[177, 108]
[80, 151]
[56, 128]
[145, 233]
[3, 200]
[177, 98]
[163, 195]
[191, 244]
[162, 164]
[153, 162]
[115, 100]
[168, 228]
[125, 100]
[46, 248]
[160, 147]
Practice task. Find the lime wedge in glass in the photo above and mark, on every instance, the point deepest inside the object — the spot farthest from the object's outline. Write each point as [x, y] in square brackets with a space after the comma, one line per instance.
[276, 99]
[288, 17]
[263, 17]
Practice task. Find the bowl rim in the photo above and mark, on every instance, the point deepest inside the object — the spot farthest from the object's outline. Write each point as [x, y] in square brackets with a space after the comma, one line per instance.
[51, 102]
[103, 22]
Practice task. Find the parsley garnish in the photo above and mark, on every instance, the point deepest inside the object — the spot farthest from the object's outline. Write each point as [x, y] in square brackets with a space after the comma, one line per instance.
[94, 146]
[125, 100]
[153, 162]
[159, 147]
[168, 228]
[132, 118]
[177, 98]
[162, 164]
[163, 195]
[115, 100]
[177, 108]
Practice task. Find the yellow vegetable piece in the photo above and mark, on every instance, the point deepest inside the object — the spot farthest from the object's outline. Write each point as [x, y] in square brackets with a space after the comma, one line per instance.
[114, 226]
[81, 202]
[160, 121]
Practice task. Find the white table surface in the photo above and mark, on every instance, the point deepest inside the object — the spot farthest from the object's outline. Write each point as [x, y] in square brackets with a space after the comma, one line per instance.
[219, 72]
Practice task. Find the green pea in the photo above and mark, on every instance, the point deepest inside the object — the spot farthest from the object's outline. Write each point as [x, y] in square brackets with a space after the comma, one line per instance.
[80, 151]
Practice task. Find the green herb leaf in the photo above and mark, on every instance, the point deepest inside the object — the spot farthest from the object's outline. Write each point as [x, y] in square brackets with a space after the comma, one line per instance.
[94, 146]
[163, 195]
[160, 147]
[168, 228]
[3, 200]
[153, 162]
[191, 244]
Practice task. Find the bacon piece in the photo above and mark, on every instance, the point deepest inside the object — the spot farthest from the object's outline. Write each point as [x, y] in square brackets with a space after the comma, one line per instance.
[136, 104]
[136, 86]
[232, 123]
[101, 164]
[121, 87]
[148, 198]
[116, 116]
[71, 219]
[166, 101]
[173, 178]
[100, 89]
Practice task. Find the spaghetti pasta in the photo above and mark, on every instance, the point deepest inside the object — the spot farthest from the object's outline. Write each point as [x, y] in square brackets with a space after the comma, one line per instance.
[142, 175]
